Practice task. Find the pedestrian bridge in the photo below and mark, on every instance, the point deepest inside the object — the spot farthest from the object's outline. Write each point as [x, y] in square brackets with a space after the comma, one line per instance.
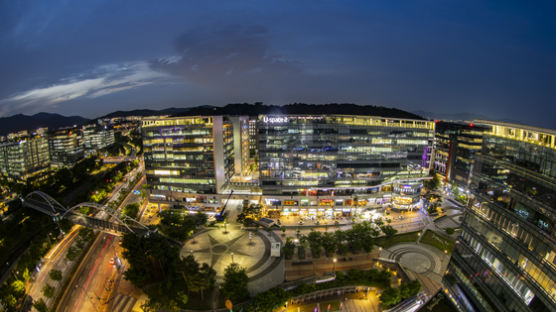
[105, 219]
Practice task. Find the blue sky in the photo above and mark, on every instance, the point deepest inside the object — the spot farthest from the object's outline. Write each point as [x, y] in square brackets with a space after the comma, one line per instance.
[496, 58]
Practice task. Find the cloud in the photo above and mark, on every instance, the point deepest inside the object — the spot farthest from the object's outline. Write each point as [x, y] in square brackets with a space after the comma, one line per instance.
[234, 58]
[101, 81]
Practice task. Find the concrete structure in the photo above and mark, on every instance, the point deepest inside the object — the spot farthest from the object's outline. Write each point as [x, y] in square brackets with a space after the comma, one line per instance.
[505, 259]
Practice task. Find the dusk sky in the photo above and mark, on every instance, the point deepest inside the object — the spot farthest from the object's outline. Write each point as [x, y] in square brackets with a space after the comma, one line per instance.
[89, 58]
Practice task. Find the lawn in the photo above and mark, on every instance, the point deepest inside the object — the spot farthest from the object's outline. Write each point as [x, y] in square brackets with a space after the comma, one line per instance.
[397, 239]
[435, 240]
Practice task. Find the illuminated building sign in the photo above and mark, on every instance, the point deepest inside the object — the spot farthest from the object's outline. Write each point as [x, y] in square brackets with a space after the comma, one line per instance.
[267, 119]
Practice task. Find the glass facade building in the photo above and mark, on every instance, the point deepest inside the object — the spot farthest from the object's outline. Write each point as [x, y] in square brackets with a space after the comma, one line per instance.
[66, 147]
[455, 147]
[340, 154]
[95, 137]
[25, 157]
[188, 154]
[505, 257]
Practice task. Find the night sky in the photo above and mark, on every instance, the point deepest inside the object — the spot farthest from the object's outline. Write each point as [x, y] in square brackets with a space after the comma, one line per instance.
[89, 58]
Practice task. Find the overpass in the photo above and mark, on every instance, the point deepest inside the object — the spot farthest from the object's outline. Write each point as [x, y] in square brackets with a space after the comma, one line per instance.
[106, 219]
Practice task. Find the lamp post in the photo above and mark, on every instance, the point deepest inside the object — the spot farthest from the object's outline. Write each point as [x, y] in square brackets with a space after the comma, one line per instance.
[334, 264]
[232, 253]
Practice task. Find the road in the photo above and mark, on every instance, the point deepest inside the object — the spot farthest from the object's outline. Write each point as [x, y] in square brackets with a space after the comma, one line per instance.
[56, 259]
[93, 287]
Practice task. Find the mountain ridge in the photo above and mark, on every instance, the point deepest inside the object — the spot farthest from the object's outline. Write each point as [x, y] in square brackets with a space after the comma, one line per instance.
[20, 122]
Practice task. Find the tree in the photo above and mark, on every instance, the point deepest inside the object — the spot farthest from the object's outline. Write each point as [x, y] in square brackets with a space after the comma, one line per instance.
[200, 218]
[18, 287]
[388, 230]
[55, 275]
[329, 243]
[40, 306]
[48, 291]
[389, 297]
[314, 239]
[408, 290]
[288, 249]
[177, 225]
[131, 210]
[283, 229]
[26, 276]
[73, 252]
[433, 183]
[269, 300]
[235, 283]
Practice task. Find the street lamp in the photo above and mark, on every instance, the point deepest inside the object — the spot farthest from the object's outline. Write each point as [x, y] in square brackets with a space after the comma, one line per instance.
[232, 253]
[334, 265]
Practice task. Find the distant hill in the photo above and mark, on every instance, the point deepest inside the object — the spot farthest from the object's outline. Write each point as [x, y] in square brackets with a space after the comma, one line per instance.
[246, 109]
[299, 109]
[21, 122]
[461, 116]
[146, 112]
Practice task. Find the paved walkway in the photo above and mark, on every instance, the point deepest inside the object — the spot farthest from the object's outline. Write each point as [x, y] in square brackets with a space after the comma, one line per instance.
[421, 261]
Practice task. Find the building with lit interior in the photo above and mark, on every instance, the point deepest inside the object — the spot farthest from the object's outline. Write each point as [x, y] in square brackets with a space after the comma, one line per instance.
[505, 258]
[66, 147]
[187, 155]
[24, 157]
[456, 144]
[340, 154]
[96, 138]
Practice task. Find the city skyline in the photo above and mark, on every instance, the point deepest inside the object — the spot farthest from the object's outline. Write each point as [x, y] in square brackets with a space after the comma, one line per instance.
[91, 59]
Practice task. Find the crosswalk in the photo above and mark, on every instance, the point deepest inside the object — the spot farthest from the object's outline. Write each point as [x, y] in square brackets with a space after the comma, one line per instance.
[123, 303]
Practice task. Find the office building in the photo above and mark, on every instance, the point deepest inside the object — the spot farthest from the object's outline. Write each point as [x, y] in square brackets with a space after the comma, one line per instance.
[24, 157]
[505, 258]
[187, 155]
[96, 138]
[340, 154]
[456, 144]
[66, 147]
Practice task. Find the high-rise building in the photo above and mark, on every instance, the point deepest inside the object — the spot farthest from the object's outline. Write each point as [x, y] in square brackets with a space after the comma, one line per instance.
[24, 157]
[66, 147]
[505, 258]
[341, 154]
[188, 154]
[96, 137]
[456, 144]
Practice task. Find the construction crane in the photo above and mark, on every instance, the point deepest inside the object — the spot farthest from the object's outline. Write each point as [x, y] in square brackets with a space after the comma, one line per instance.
[220, 216]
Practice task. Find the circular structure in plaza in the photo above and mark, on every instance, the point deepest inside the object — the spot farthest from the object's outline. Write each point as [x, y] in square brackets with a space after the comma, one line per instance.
[415, 258]
[219, 248]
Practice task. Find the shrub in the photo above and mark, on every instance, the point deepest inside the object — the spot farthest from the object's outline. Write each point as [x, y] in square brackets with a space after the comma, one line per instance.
[48, 291]
[55, 275]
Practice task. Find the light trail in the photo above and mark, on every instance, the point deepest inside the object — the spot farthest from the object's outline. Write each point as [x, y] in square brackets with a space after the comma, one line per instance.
[91, 273]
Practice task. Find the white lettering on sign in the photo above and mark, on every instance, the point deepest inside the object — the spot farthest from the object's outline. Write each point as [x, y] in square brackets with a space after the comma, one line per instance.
[267, 119]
